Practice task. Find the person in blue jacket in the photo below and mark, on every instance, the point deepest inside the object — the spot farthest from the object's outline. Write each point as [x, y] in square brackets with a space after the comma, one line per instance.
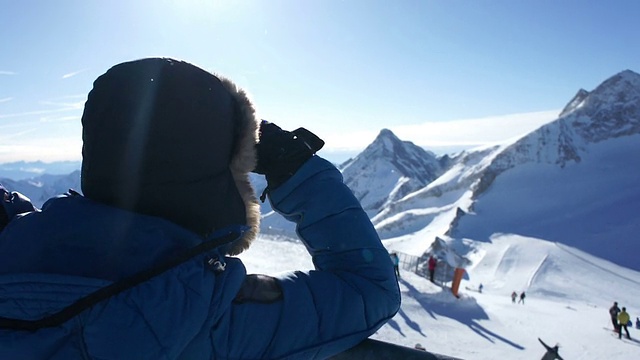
[140, 265]
[395, 259]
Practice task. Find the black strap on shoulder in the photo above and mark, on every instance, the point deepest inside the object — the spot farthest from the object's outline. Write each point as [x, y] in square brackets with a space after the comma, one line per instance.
[106, 292]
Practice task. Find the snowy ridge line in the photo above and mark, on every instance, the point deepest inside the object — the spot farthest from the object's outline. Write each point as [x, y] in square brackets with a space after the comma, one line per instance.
[502, 259]
[565, 248]
[535, 272]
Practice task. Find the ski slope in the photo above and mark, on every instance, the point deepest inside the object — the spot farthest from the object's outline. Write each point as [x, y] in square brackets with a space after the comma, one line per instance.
[568, 296]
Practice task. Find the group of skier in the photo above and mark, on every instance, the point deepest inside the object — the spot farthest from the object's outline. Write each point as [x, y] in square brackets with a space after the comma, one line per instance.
[620, 319]
[514, 296]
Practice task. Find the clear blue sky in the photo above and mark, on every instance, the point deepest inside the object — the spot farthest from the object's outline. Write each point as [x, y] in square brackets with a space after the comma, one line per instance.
[340, 68]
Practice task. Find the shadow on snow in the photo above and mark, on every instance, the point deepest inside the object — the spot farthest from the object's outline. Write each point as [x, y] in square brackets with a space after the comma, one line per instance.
[466, 311]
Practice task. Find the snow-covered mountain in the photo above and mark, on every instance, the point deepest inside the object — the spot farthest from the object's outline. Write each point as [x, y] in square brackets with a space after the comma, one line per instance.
[573, 181]
[389, 169]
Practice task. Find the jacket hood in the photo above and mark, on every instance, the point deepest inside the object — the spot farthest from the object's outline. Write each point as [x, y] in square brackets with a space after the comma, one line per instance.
[165, 138]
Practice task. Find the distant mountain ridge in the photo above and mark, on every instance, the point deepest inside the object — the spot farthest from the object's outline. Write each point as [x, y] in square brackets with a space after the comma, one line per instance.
[21, 170]
[41, 188]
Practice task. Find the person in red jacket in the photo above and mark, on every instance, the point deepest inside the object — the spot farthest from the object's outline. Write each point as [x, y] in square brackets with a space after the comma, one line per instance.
[432, 267]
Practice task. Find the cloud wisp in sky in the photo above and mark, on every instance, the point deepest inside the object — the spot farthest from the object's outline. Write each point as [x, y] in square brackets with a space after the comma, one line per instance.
[36, 112]
[57, 105]
[71, 102]
[72, 74]
[4, 72]
[458, 134]
[52, 133]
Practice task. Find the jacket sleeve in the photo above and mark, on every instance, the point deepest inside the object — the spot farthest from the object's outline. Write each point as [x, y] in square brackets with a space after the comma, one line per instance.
[351, 293]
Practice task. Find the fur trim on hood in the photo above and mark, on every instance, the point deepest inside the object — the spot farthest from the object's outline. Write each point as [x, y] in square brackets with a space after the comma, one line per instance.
[243, 162]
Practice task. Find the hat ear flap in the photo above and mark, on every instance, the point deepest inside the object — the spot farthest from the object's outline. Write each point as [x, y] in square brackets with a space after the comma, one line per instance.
[243, 161]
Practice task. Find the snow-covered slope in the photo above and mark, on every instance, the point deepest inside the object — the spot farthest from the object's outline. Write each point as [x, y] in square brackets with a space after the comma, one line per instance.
[568, 296]
[592, 205]
[573, 181]
[553, 214]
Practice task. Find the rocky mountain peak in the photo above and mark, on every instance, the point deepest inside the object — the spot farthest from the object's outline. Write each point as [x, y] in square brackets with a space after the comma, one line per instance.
[611, 110]
[408, 159]
[575, 102]
[389, 169]
[386, 133]
[385, 143]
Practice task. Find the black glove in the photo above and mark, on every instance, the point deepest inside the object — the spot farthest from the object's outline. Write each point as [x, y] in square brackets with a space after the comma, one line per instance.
[11, 204]
[281, 153]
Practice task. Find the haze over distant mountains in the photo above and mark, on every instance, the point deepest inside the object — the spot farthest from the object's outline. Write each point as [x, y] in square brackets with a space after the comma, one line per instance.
[21, 170]
[573, 181]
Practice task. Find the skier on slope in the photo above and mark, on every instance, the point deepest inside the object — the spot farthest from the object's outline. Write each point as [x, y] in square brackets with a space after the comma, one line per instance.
[139, 266]
[551, 353]
[623, 323]
[522, 296]
[614, 310]
[395, 259]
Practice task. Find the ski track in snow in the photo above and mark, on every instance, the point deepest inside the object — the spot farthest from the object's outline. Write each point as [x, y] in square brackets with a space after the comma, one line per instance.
[566, 249]
[535, 271]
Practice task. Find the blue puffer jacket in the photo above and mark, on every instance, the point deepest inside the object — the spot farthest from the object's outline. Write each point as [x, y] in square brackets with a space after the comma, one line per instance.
[74, 247]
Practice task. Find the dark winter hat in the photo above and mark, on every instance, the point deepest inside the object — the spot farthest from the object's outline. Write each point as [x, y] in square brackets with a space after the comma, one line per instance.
[165, 138]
